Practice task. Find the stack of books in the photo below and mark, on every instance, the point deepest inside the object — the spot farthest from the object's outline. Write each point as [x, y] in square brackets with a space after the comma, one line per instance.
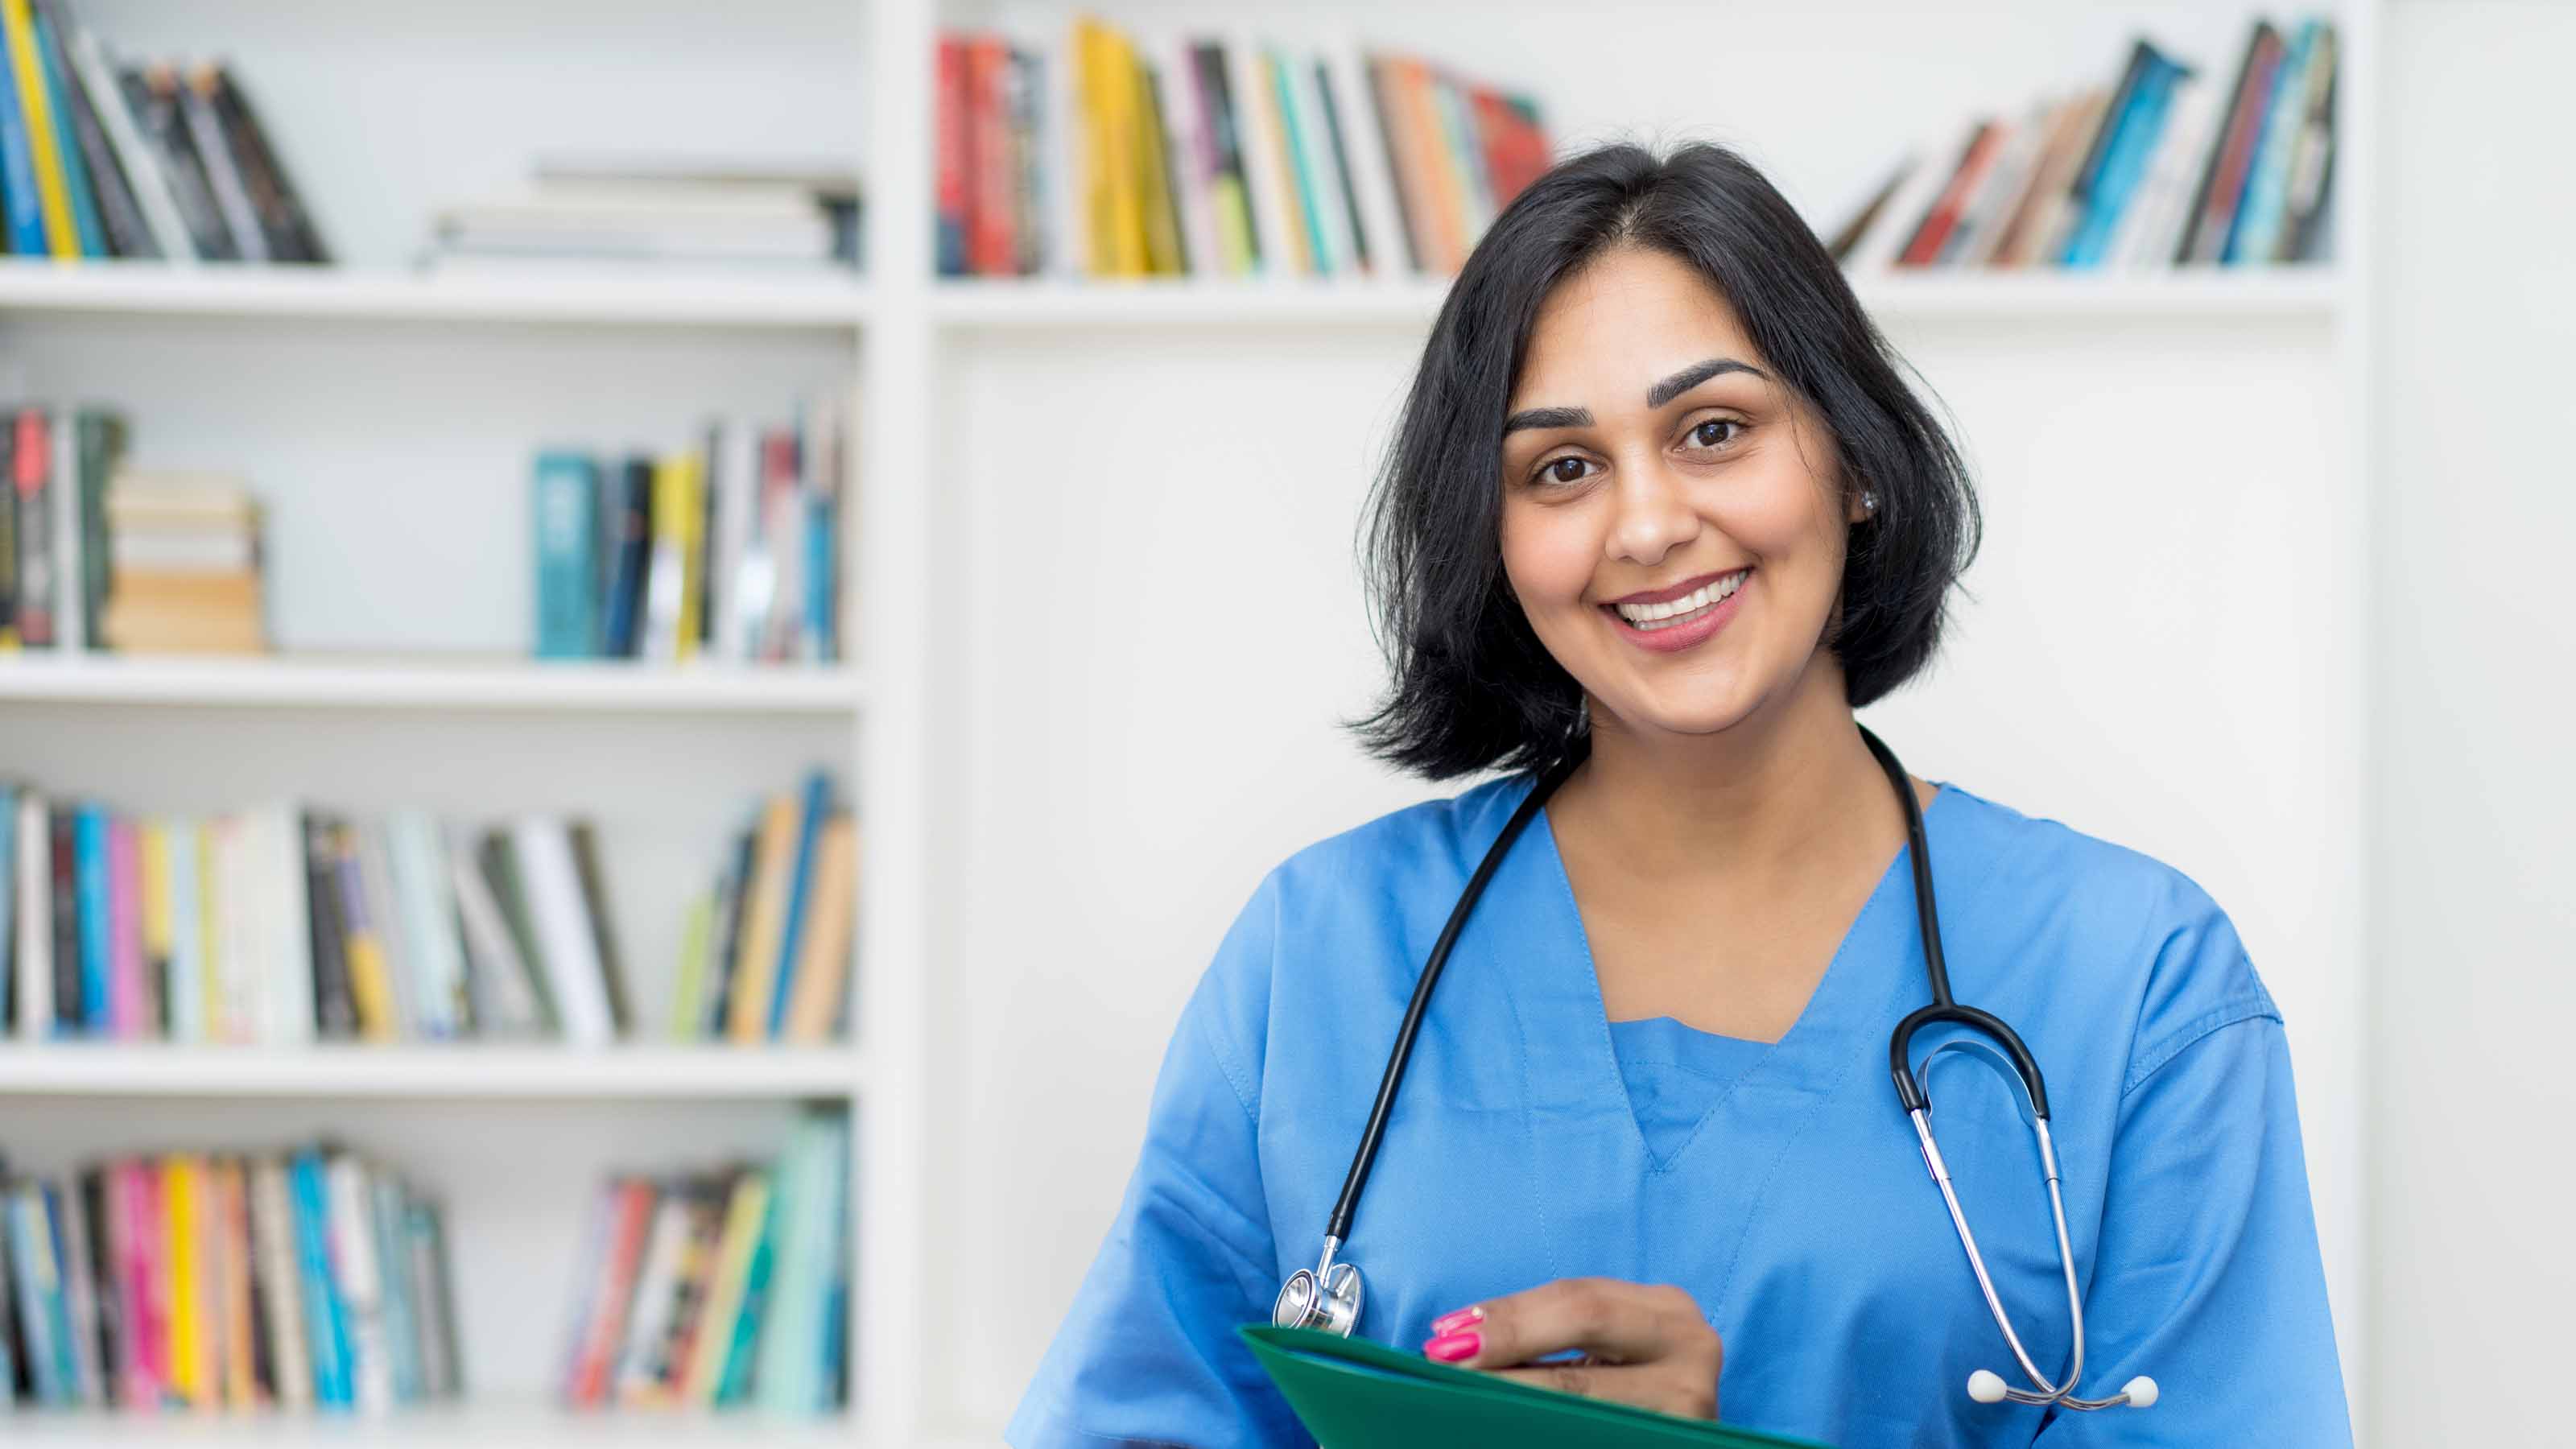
[728, 550]
[279, 927]
[183, 565]
[294, 1280]
[765, 953]
[719, 1289]
[658, 210]
[2163, 168]
[100, 158]
[1103, 157]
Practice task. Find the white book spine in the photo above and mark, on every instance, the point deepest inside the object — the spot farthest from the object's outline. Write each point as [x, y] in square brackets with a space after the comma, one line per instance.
[286, 970]
[35, 886]
[71, 552]
[355, 1272]
[428, 925]
[1934, 163]
[376, 888]
[737, 484]
[1246, 76]
[1185, 148]
[562, 926]
[503, 1005]
[1982, 222]
[1381, 219]
[272, 1245]
[183, 979]
[655, 1288]
[1063, 170]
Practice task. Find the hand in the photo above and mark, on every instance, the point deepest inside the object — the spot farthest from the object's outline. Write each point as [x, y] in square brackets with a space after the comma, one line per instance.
[1643, 1344]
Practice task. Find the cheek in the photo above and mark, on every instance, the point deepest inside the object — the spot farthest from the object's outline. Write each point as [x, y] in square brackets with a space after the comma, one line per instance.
[1549, 555]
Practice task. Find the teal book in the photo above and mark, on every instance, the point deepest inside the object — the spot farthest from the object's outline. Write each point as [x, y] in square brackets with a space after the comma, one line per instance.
[741, 1354]
[2137, 128]
[25, 216]
[791, 1378]
[567, 546]
[1300, 151]
[2267, 178]
[393, 1265]
[326, 1330]
[90, 872]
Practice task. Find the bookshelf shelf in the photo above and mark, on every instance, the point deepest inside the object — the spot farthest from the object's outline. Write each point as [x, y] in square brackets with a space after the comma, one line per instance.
[657, 298]
[505, 1422]
[520, 684]
[550, 1072]
[992, 306]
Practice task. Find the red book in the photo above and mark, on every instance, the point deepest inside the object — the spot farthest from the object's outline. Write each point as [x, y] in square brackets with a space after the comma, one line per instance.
[606, 1333]
[2244, 128]
[992, 228]
[1924, 247]
[954, 158]
[147, 1279]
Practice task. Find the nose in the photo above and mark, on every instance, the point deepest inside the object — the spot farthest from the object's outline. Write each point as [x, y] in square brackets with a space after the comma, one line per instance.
[1653, 514]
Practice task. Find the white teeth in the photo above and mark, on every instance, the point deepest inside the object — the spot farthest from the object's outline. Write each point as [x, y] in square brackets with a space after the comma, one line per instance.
[1663, 616]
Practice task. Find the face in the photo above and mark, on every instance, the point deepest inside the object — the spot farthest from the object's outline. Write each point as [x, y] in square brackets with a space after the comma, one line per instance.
[1673, 523]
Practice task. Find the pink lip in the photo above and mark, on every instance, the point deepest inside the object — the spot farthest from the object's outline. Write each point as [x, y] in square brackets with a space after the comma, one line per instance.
[1679, 637]
[1666, 596]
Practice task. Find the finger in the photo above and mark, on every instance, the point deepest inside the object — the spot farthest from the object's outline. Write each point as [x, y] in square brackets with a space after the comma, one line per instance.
[1647, 1386]
[1625, 1322]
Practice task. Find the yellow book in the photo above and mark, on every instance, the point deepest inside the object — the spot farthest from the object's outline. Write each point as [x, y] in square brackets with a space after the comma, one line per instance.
[152, 844]
[745, 1218]
[755, 968]
[1109, 87]
[371, 983]
[678, 519]
[823, 961]
[35, 109]
[187, 1335]
[1159, 207]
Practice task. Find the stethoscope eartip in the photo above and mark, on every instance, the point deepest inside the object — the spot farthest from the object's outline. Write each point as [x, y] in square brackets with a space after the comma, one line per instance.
[1987, 1387]
[2140, 1392]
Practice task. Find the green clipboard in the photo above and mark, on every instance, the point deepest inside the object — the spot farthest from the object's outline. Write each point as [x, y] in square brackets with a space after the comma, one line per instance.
[1353, 1394]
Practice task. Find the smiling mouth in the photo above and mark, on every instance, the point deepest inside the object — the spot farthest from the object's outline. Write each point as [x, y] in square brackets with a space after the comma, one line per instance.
[1648, 618]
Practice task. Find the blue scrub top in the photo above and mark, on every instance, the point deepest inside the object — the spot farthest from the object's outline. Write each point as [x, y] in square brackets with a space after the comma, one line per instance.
[1795, 1209]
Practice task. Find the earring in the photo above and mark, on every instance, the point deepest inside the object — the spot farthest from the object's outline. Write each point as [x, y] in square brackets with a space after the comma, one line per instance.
[1868, 501]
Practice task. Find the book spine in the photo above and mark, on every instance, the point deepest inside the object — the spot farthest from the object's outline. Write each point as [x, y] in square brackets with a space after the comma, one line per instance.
[97, 923]
[31, 471]
[71, 958]
[568, 537]
[223, 176]
[142, 168]
[36, 112]
[25, 209]
[954, 148]
[273, 1245]
[71, 142]
[135, 1014]
[800, 892]
[35, 895]
[326, 1334]
[335, 1005]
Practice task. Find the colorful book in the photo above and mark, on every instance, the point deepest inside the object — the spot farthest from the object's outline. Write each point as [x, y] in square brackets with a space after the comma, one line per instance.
[36, 112]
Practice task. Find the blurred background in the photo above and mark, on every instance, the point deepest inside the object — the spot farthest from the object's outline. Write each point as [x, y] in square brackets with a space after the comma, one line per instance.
[648, 646]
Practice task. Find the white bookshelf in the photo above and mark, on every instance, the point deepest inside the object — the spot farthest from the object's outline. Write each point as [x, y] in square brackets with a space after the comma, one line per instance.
[999, 1075]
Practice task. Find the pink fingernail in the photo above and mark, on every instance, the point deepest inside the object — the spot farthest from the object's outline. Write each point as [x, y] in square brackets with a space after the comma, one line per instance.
[1452, 1322]
[1451, 1347]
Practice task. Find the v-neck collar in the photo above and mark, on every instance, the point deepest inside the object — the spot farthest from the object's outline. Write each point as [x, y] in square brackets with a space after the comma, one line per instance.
[1812, 1057]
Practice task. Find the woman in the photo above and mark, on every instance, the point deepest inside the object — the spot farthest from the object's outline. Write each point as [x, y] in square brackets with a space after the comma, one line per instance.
[1659, 501]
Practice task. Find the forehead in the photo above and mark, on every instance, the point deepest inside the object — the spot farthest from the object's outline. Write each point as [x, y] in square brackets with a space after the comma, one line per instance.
[1609, 331]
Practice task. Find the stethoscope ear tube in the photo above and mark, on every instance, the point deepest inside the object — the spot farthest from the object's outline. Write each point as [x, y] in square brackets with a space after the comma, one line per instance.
[1909, 1091]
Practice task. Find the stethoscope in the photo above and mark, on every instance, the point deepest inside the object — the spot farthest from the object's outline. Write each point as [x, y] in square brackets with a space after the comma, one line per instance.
[1327, 1296]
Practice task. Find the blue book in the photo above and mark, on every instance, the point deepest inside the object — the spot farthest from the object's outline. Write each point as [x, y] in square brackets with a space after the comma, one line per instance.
[18, 172]
[85, 223]
[35, 1325]
[2124, 162]
[567, 538]
[818, 803]
[89, 865]
[326, 1329]
[393, 1265]
[2257, 228]
[1309, 197]
[58, 1300]
[822, 530]
[627, 527]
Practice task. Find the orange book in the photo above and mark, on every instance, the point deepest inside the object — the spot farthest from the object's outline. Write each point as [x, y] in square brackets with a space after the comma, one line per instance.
[232, 1194]
[823, 963]
[755, 971]
[1446, 204]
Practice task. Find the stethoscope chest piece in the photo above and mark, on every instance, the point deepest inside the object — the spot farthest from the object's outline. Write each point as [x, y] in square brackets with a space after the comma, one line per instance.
[1330, 1302]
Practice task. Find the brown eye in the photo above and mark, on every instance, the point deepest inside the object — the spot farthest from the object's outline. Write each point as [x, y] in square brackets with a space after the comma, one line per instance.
[1568, 469]
[1712, 434]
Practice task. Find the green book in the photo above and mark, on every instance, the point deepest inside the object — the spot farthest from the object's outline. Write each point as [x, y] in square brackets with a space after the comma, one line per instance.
[1353, 1394]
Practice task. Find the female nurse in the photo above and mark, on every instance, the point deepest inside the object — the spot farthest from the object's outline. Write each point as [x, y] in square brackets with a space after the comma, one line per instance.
[1660, 495]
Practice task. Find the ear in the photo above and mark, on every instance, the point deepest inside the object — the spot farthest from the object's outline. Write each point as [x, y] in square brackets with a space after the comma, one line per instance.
[1853, 512]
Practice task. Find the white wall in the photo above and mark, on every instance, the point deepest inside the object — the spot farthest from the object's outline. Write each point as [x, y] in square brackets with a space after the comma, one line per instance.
[2474, 914]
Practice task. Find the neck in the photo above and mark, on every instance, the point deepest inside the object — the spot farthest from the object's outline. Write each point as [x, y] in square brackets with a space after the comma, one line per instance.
[1788, 784]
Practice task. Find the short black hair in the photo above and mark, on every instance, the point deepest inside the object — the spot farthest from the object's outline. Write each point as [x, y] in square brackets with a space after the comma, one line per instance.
[1473, 687]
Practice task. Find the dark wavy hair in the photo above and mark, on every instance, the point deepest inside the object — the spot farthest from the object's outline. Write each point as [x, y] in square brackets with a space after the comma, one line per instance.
[1472, 685]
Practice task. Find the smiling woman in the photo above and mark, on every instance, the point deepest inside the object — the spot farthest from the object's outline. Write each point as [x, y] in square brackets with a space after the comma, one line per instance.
[1660, 514]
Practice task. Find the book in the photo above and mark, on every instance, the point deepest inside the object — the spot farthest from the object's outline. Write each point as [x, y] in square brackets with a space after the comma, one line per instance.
[568, 537]
[158, 206]
[43, 138]
[755, 974]
[568, 949]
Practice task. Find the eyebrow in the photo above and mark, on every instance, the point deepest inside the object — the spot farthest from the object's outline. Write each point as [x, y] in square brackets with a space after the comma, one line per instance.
[1695, 374]
[1656, 396]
